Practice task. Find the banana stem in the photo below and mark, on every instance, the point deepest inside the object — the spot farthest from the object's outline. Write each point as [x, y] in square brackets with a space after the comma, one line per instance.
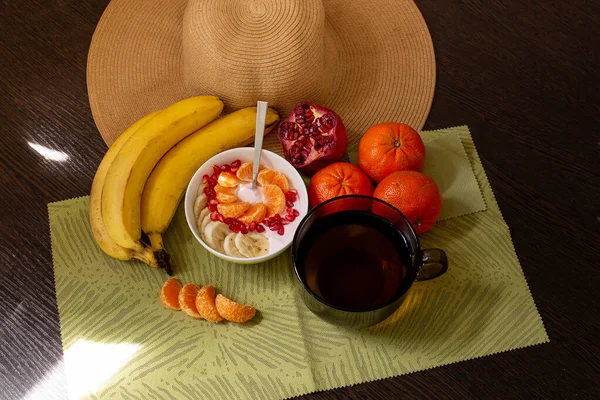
[160, 254]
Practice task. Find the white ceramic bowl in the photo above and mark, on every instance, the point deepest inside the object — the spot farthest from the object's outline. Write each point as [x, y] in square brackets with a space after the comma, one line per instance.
[269, 160]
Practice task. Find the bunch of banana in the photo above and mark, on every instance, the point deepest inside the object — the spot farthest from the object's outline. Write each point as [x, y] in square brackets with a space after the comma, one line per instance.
[143, 176]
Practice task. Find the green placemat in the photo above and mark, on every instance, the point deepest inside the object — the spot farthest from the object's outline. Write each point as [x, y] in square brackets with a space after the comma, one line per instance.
[120, 343]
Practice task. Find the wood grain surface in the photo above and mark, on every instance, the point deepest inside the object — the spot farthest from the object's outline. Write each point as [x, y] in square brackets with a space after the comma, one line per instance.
[522, 75]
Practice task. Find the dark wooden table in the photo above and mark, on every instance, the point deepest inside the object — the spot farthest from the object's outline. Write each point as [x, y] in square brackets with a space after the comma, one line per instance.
[523, 75]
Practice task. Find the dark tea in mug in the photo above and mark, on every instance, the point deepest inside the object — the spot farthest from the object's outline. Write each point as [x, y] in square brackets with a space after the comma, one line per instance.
[354, 260]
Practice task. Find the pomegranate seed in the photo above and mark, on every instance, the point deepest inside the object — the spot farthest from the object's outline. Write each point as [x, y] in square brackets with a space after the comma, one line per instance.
[290, 217]
[214, 216]
[234, 228]
[216, 169]
[213, 201]
[212, 181]
[289, 203]
[236, 164]
[285, 222]
[281, 230]
[205, 179]
[228, 221]
[289, 211]
[296, 212]
[212, 193]
[294, 191]
[277, 217]
[274, 227]
[260, 228]
[265, 221]
[221, 218]
[244, 229]
[234, 169]
[212, 207]
[207, 191]
[252, 226]
[225, 168]
[215, 177]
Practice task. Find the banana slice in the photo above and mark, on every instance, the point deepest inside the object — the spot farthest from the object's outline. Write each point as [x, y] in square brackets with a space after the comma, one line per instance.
[205, 211]
[215, 233]
[230, 247]
[253, 244]
[202, 226]
[201, 201]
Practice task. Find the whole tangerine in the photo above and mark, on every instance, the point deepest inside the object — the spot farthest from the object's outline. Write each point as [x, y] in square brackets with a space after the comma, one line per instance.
[338, 179]
[415, 194]
[390, 147]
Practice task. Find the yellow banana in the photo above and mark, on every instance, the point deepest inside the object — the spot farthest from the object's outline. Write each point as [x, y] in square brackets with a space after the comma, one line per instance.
[125, 179]
[169, 179]
[98, 229]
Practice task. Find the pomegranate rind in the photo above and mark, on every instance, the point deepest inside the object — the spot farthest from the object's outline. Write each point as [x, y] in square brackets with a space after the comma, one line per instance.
[232, 311]
[205, 304]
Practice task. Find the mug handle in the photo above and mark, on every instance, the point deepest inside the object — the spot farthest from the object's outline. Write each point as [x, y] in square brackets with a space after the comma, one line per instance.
[433, 264]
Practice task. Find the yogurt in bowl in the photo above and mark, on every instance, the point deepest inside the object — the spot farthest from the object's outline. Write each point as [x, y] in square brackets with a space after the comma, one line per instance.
[215, 212]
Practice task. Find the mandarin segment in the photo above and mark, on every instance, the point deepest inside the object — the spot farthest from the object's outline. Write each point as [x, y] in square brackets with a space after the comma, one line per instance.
[273, 177]
[256, 213]
[274, 199]
[205, 304]
[232, 311]
[169, 294]
[187, 300]
[228, 179]
[244, 173]
[233, 210]
[226, 194]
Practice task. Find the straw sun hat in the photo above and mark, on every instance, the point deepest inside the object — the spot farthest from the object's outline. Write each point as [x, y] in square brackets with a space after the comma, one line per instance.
[369, 60]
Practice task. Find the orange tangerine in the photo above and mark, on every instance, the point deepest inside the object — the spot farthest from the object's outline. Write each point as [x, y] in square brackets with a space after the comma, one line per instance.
[228, 180]
[169, 294]
[233, 210]
[205, 304]
[274, 199]
[232, 311]
[226, 194]
[245, 171]
[273, 177]
[187, 300]
[256, 213]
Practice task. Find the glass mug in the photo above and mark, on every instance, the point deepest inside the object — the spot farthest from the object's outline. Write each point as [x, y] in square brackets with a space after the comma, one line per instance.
[355, 257]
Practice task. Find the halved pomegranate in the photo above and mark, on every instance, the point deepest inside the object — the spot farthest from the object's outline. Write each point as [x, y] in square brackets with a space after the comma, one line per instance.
[312, 137]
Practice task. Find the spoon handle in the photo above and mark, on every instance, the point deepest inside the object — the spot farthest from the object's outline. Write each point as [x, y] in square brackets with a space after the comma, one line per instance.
[261, 116]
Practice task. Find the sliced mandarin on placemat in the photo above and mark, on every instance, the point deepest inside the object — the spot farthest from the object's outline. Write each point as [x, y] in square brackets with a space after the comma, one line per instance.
[273, 177]
[256, 213]
[226, 194]
[228, 180]
[232, 311]
[245, 171]
[169, 294]
[233, 210]
[205, 304]
[187, 300]
[274, 199]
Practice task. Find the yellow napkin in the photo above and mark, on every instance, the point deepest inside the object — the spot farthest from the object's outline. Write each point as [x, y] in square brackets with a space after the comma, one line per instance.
[119, 342]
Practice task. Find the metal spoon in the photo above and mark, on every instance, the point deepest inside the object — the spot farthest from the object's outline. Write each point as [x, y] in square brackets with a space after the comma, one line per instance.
[261, 116]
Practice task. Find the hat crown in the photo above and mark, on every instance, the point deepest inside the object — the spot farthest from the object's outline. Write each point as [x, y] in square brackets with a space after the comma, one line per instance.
[249, 50]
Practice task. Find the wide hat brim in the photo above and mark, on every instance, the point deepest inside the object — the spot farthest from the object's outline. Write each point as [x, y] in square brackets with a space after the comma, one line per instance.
[385, 72]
